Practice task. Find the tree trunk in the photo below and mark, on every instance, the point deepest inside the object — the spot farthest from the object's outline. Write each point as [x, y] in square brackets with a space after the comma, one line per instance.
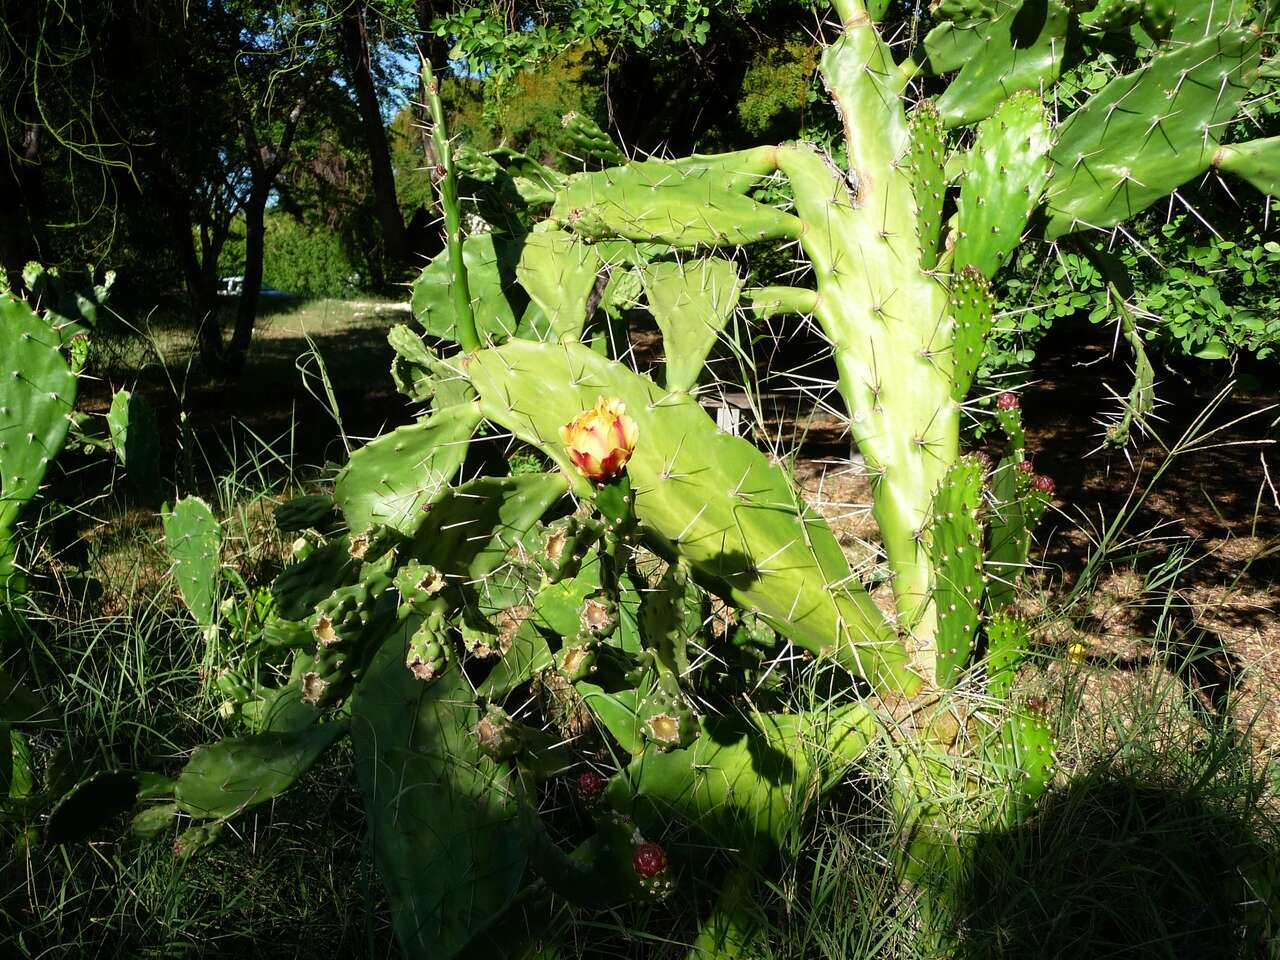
[21, 192]
[355, 46]
[255, 211]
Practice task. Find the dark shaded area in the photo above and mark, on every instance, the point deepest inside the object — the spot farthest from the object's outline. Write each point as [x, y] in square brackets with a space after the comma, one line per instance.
[1122, 865]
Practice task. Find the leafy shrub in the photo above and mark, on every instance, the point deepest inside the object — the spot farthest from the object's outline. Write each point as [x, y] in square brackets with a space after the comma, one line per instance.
[307, 261]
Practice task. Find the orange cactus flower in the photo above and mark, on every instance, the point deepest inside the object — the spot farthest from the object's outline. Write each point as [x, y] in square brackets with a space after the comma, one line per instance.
[601, 440]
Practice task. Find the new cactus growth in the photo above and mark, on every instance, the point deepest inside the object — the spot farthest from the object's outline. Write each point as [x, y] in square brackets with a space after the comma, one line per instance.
[635, 594]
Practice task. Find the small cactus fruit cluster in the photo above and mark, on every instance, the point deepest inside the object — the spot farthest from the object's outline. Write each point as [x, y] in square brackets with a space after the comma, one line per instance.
[639, 602]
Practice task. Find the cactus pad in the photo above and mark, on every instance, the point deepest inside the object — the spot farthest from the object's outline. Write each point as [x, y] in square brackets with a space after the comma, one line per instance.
[226, 778]
[392, 479]
[1147, 132]
[496, 299]
[691, 302]
[193, 539]
[37, 395]
[1005, 175]
[703, 495]
[928, 156]
[559, 273]
[956, 547]
[972, 303]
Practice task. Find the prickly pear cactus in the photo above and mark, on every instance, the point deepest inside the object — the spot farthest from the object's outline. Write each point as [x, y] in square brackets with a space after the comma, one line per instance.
[193, 538]
[621, 630]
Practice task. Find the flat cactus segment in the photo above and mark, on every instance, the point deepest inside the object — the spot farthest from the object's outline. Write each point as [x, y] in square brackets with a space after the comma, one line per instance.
[1112, 16]
[691, 302]
[135, 439]
[527, 655]
[1012, 53]
[1007, 641]
[617, 712]
[1028, 745]
[559, 273]
[193, 539]
[972, 310]
[1016, 508]
[300, 586]
[37, 395]
[392, 479]
[703, 495]
[590, 139]
[956, 548]
[671, 614]
[684, 205]
[1146, 133]
[421, 374]
[496, 298]
[1256, 161]
[1004, 178]
[745, 781]
[928, 178]
[228, 777]
[470, 531]
[440, 810]
[304, 513]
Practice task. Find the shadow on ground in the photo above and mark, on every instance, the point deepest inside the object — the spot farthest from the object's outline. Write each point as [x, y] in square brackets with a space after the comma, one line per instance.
[1122, 865]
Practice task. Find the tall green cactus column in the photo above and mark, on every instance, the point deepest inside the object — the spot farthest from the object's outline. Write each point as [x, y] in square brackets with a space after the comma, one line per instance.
[886, 315]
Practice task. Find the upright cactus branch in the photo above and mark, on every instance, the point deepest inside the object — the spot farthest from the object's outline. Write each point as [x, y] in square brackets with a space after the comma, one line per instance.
[447, 184]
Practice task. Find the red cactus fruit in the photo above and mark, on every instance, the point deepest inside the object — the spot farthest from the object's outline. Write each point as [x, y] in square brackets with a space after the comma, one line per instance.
[1007, 401]
[1043, 484]
[1025, 466]
[649, 860]
[590, 784]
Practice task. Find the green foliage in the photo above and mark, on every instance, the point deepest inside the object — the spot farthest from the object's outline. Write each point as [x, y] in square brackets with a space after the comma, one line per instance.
[298, 258]
[775, 89]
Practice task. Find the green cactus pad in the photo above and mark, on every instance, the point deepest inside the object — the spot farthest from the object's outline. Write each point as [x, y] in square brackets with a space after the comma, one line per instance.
[928, 156]
[527, 655]
[392, 479]
[1146, 133]
[670, 616]
[471, 529]
[1000, 57]
[135, 440]
[1016, 508]
[1007, 641]
[972, 305]
[300, 586]
[193, 539]
[746, 781]
[304, 513]
[37, 395]
[1004, 177]
[496, 299]
[1159, 17]
[1257, 161]
[691, 302]
[1028, 747]
[420, 374]
[699, 201]
[1113, 16]
[557, 605]
[589, 140]
[703, 495]
[559, 272]
[439, 809]
[956, 548]
[618, 712]
[226, 778]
